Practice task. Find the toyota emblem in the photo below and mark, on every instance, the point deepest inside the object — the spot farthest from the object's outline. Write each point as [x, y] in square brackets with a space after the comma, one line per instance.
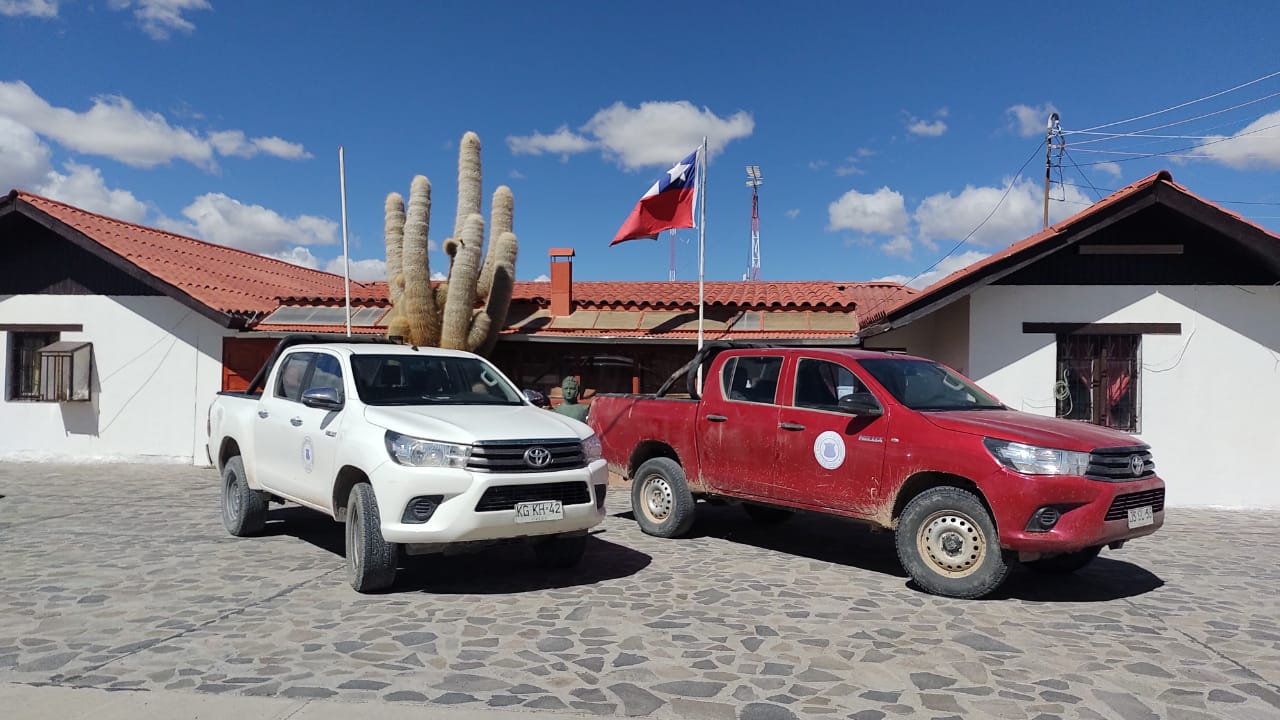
[1137, 465]
[537, 457]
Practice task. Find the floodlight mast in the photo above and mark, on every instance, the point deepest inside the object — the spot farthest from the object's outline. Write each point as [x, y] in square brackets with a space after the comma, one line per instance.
[753, 181]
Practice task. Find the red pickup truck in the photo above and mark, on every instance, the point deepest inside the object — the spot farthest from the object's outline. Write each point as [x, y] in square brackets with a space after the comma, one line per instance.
[970, 487]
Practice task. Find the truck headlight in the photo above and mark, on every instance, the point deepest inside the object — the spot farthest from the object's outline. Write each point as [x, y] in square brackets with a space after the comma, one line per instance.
[1033, 460]
[416, 452]
[591, 450]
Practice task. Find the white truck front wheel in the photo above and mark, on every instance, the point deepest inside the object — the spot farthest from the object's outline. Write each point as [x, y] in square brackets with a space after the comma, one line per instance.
[371, 560]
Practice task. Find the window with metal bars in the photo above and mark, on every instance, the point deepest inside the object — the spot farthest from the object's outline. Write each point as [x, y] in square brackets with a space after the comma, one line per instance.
[23, 382]
[1098, 380]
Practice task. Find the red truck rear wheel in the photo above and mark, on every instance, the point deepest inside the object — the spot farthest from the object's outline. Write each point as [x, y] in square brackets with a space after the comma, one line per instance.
[948, 544]
[660, 498]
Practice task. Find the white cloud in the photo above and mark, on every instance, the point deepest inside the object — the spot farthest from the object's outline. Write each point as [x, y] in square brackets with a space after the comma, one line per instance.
[516, 175]
[298, 256]
[944, 268]
[542, 278]
[25, 164]
[927, 129]
[226, 221]
[29, 8]
[818, 164]
[849, 169]
[437, 275]
[1110, 168]
[924, 128]
[899, 246]
[24, 159]
[655, 133]
[114, 128]
[951, 217]
[1029, 120]
[233, 143]
[561, 142]
[161, 18]
[793, 213]
[84, 188]
[361, 270]
[1257, 145]
[883, 211]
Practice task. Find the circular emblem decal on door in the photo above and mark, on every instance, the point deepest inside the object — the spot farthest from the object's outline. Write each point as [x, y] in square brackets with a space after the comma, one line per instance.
[829, 449]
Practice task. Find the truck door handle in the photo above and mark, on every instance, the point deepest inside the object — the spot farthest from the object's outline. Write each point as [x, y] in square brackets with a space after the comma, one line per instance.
[717, 418]
[790, 426]
[295, 421]
[263, 414]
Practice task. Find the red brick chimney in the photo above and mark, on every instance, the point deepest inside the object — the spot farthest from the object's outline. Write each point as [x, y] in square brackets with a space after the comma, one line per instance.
[561, 281]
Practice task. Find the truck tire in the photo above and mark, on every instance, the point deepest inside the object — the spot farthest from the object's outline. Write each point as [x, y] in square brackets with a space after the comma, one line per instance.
[660, 499]
[1065, 563]
[948, 544]
[371, 560]
[767, 514]
[244, 510]
[560, 551]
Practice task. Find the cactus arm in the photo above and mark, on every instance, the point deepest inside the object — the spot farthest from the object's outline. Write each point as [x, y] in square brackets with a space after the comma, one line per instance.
[394, 235]
[461, 298]
[422, 315]
[468, 181]
[500, 220]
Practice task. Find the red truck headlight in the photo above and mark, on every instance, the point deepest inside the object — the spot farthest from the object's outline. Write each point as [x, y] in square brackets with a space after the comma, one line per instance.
[1033, 460]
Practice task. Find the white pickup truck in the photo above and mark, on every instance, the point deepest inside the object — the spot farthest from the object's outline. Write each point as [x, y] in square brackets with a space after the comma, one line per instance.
[419, 450]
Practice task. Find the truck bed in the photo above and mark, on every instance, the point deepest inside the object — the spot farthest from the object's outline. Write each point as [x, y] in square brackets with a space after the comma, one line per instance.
[625, 422]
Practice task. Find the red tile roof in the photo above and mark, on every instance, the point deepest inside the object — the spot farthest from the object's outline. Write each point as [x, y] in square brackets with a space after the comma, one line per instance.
[598, 295]
[224, 279]
[967, 274]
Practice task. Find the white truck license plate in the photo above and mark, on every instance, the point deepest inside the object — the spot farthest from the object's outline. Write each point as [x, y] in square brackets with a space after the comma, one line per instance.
[527, 512]
[1140, 516]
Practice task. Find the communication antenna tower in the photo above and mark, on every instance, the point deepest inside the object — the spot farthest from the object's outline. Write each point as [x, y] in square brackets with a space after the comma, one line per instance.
[753, 182]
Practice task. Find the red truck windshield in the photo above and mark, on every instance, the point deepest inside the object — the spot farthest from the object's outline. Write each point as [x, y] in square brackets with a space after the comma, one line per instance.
[924, 385]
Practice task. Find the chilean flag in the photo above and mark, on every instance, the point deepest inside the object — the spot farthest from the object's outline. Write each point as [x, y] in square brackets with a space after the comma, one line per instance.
[669, 204]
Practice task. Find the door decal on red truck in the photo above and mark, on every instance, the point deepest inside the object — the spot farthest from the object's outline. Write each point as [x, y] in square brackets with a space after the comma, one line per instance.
[829, 449]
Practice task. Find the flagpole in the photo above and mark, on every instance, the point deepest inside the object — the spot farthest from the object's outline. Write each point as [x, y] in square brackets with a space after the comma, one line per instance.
[702, 231]
[346, 259]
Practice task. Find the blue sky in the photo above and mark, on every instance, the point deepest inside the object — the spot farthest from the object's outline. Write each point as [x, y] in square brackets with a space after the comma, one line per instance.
[885, 134]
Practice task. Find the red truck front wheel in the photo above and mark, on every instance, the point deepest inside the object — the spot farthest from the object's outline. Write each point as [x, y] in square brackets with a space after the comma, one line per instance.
[660, 498]
[948, 544]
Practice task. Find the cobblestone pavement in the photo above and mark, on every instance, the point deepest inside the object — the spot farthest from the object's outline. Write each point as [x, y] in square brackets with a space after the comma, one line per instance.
[122, 577]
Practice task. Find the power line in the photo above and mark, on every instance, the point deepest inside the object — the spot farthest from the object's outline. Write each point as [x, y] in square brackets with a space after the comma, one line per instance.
[1137, 133]
[957, 246]
[1185, 104]
[1096, 191]
[1173, 152]
[1220, 202]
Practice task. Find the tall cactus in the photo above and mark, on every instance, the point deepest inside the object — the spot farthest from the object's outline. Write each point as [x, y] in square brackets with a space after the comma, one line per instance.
[418, 308]
[469, 309]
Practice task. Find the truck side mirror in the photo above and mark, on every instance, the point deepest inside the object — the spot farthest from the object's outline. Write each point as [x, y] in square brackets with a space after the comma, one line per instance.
[861, 404]
[323, 398]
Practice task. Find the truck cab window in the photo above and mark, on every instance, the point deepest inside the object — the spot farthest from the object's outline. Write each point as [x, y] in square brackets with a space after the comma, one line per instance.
[752, 379]
[820, 384]
[292, 372]
[327, 374]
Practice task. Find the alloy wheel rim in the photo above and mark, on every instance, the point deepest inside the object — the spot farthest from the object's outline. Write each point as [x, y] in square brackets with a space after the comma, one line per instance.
[952, 543]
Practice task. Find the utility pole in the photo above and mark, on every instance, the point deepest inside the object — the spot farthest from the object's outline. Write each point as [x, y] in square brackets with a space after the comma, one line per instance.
[753, 182]
[1050, 128]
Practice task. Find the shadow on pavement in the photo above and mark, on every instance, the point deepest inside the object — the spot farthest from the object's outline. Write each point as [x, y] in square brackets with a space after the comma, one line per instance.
[1102, 580]
[843, 542]
[506, 567]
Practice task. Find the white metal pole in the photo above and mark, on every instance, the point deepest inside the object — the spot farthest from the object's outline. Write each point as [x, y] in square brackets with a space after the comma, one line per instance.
[346, 259]
[702, 234]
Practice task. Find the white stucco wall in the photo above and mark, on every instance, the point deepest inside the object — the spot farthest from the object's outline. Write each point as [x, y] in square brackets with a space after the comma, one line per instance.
[941, 336]
[157, 366]
[1210, 396]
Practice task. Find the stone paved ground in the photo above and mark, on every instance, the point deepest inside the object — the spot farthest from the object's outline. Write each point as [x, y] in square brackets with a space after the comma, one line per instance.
[122, 577]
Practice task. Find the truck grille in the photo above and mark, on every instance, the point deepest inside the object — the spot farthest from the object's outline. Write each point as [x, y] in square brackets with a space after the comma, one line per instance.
[1120, 507]
[505, 497]
[1114, 464]
[509, 456]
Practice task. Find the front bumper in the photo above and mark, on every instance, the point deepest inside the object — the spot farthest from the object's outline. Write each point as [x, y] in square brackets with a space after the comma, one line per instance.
[1084, 506]
[456, 520]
